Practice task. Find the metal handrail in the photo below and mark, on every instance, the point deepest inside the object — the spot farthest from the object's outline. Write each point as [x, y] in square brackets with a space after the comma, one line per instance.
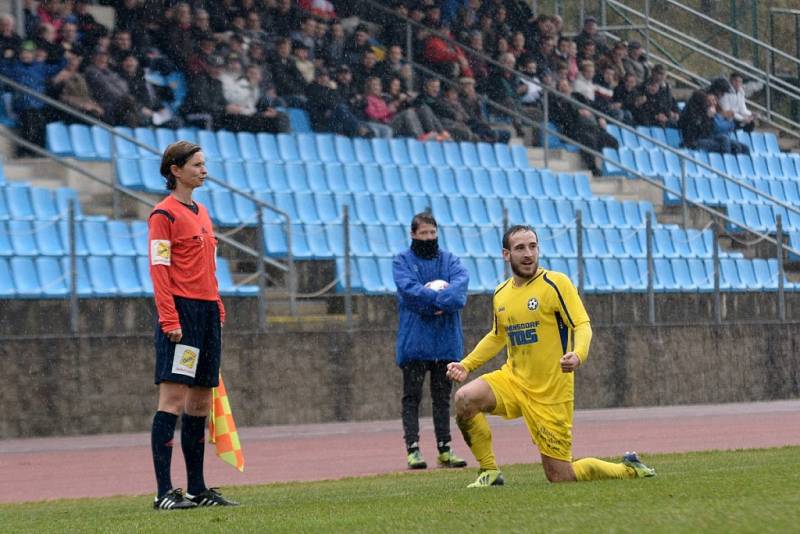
[771, 82]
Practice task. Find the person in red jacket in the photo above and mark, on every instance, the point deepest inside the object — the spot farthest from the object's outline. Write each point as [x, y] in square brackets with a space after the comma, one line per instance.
[441, 54]
[188, 337]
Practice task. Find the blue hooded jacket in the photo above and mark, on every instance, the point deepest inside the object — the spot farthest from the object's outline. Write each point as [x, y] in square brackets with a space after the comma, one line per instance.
[421, 334]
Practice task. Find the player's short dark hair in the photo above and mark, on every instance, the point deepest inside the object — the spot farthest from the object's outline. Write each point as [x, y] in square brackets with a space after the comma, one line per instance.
[177, 153]
[515, 230]
[425, 217]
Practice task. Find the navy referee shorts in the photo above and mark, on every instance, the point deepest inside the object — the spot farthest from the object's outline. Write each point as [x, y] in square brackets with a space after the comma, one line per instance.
[195, 359]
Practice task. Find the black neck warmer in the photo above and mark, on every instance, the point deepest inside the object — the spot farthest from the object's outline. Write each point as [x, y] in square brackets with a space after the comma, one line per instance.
[426, 249]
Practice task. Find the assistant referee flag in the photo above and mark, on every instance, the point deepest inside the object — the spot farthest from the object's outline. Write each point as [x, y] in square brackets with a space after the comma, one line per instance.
[222, 429]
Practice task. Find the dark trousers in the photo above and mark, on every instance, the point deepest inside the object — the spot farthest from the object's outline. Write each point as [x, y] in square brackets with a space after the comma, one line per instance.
[32, 126]
[413, 377]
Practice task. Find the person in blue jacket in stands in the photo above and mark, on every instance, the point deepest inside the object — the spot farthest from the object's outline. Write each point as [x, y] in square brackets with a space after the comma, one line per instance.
[30, 71]
[431, 291]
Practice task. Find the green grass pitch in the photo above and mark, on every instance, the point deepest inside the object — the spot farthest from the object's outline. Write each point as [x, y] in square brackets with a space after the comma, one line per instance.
[732, 491]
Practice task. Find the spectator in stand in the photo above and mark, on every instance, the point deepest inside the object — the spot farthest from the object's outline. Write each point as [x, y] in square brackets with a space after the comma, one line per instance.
[121, 47]
[501, 24]
[129, 15]
[46, 40]
[397, 94]
[389, 119]
[10, 41]
[472, 103]
[329, 111]
[335, 43]
[394, 32]
[532, 97]
[546, 55]
[54, 13]
[285, 18]
[246, 110]
[306, 34]
[256, 55]
[734, 104]
[177, 43]
[659, 72]
[89, 29]
[357, 45]
[486, 28]
[303, 62]
[467, 20]
[441, 54]
[697, 126]
[111, 91]
[395, 66]
[201, 24]
[320, 37]
[234, 44]
[636, 62]
[289, 82]
[568, 53]
[366, 68]
[220, 12]
[449, 117]
[654, 111]
[517, 45]
[149, 99]
[30, 72]
[198, 61]
[580, 124]
[605, 91]
[542, 26]
[254, 31]
[590, 32]
[69, 86]
[344, 86]
[478, 65]
[587, 52]
[68, 37]
[627, 94]
[615, 59]
[506, 88]
[585, 90]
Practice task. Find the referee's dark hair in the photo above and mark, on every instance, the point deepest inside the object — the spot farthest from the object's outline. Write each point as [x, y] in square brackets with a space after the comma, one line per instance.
[422, 218]
[177, 153]
[515, 229]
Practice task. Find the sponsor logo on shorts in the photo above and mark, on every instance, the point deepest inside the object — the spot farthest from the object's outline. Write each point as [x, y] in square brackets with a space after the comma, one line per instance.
[184, 360]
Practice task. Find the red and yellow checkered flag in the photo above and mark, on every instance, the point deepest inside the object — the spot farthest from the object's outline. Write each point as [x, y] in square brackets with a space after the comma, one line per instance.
[222, 429]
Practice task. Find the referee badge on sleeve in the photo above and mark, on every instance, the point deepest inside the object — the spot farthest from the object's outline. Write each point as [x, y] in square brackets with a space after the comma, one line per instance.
[184, 362]
[160, 252]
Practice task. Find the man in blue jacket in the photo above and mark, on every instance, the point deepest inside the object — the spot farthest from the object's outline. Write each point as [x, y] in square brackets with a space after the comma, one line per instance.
[431, 290]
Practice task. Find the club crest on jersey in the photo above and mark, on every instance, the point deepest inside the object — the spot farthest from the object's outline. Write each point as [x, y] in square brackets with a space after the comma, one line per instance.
[533, 304]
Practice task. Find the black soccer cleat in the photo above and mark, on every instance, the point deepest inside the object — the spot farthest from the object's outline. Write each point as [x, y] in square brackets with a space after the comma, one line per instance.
[173, 500]
[210, 497]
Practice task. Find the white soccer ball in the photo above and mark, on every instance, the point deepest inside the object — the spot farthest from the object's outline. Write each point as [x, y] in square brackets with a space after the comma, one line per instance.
[437, 285]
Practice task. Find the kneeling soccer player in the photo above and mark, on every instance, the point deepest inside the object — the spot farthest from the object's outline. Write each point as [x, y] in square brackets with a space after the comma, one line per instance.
[540, 319]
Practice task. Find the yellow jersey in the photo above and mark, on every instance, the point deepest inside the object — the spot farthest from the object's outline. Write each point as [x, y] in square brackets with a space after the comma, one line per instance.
[538, 323]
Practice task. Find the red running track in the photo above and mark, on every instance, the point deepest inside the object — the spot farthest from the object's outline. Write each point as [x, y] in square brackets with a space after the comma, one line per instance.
[105, 465]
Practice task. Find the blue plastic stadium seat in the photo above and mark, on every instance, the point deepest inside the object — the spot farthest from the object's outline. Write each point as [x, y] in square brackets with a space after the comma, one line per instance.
[307, 147]
[673, 137]
[82, 143]
[150, 175]
[364, 208]
[275, 239]
[299, 120]
[147, 137]
[595, 279]
[355, 278]
[409, 178]
[345, 151]
[235, 175]
[458, 209]
[399, 151]
[416, 152]
[486, 155]
[326, 148]
[248, 146]
[378, 243]
[503, 156]
[520, 155]
[53, 281]
[48, 240]
[403, 208]
[287, 147]
[127, 170]
[363, 151]
[476, 208]
[469, 155]
[482, 181]
[428, 180]
[224, 208]
[18, 201]
[228, 146]
[391, 179]
[382, 152]
[634, 280]
[268, 147]
[296, 176]
[475, 285]
[126, 276]
[452, 154]
[371, 276]
[44, 204]
[101, 277]
[58, 139]
[26, 280]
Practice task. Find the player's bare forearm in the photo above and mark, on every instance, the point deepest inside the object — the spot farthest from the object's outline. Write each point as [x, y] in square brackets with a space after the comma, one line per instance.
[457, 372]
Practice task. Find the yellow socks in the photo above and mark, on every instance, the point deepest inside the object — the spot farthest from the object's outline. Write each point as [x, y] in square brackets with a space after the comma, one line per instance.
[594, 469]
[478, 437]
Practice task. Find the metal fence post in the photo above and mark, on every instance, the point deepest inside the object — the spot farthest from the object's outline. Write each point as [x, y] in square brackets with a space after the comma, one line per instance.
[348, 288]
[114, 191]
[651, 297]
[579, 244]
[292, 282]
[506, 266]
[74, 309]
[779, 243]
[684, 204]
[717, 304]
[544, 131]
[262, 302]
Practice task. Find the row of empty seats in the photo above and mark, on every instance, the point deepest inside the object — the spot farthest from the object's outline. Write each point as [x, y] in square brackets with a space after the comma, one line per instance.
[18, 200]
[374, 275]
[326, 241]
[143, 173]
[762, 217]
[757, 142]
[715, 191]
[93, 143]
[97, 276]
[228, 209]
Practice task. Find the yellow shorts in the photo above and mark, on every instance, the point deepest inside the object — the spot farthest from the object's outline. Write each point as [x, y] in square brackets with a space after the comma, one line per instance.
[550, 425]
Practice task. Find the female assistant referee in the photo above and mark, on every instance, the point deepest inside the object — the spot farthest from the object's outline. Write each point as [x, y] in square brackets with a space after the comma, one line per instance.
[188, 333]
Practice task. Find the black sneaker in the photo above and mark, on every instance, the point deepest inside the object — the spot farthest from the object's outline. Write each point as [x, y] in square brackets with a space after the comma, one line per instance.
[173, 500]
[210, 497]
